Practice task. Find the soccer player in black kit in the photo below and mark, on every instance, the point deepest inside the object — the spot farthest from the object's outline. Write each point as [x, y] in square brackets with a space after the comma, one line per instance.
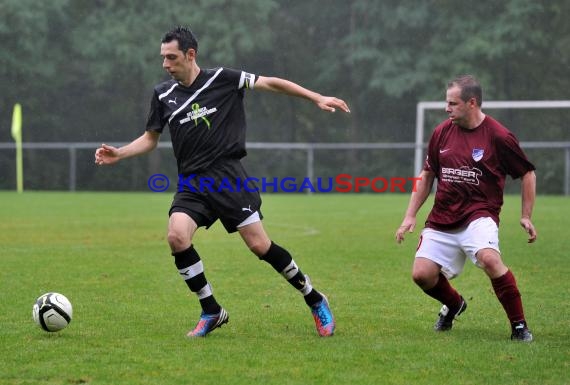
[204, 111]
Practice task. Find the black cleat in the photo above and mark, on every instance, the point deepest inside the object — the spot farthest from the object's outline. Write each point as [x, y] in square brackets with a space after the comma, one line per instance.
[446, 318]
[521, 332]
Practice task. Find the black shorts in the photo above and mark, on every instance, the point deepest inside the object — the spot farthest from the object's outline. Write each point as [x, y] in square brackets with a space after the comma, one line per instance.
[222, 192]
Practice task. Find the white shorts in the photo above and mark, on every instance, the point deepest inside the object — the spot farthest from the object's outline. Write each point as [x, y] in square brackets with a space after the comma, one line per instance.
[449, 249]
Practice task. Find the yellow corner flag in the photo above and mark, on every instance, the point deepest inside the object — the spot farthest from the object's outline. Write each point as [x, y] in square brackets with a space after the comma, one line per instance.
[17, 135]
[17, 123]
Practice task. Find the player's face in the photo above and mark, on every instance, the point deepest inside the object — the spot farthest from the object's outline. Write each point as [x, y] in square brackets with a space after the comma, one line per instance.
[174, 61]
[457, 110]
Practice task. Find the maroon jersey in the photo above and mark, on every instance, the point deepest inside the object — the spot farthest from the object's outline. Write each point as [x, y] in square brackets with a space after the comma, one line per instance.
[470, 167]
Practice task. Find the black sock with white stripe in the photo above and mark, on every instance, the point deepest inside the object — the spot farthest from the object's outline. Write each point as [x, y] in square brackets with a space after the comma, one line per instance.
[191, 270]
[283, 263]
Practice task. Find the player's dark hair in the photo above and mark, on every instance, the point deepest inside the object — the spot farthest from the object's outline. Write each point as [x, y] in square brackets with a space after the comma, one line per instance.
[184, 36]
[470, 88]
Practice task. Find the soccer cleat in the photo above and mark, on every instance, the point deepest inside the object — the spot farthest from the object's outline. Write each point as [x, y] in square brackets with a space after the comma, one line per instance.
[520, 332]
[446, 318]
[209, 322]
[324, 319]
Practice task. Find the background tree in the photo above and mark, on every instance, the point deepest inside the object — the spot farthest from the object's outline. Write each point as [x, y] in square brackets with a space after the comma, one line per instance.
[84, 71]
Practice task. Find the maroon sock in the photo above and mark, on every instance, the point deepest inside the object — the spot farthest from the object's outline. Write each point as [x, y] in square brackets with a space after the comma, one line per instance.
[445, 293]
[509, 296]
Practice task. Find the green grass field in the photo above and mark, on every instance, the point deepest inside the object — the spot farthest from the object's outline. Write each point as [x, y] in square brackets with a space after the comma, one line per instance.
[108, 254]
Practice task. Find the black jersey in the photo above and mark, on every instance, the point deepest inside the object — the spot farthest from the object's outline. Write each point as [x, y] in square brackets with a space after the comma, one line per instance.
[206, 120]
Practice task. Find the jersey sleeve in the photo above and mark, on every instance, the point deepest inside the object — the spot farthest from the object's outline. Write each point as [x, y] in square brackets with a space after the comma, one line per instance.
[431, 162]
[155, 120]
[243, 80]
[247, 80]
[513, 160]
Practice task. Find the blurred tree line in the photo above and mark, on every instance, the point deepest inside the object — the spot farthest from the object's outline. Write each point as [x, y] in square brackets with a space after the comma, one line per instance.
[84, 70]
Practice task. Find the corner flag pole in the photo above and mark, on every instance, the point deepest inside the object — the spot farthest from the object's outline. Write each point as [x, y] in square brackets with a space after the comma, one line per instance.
[17, 135]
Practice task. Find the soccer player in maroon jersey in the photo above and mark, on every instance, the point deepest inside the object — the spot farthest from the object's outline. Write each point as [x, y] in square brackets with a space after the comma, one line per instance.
[470, 154]
[204, 111]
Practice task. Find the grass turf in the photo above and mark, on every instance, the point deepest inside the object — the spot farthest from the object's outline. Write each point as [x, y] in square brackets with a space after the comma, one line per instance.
[107, 253]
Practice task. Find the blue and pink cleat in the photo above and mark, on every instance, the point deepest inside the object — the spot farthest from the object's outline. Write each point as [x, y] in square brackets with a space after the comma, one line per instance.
[324, 319]
[209, 322]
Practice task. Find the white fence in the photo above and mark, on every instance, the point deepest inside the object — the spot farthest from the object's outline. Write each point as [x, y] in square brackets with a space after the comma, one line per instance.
[309, 148]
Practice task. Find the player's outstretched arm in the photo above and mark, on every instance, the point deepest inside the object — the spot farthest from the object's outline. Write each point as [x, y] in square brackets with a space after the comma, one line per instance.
[327, 103]
[419, 196]
[528, 195]
[107, 154]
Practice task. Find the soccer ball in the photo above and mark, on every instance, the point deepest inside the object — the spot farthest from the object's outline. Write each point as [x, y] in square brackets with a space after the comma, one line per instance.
[52, 312]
